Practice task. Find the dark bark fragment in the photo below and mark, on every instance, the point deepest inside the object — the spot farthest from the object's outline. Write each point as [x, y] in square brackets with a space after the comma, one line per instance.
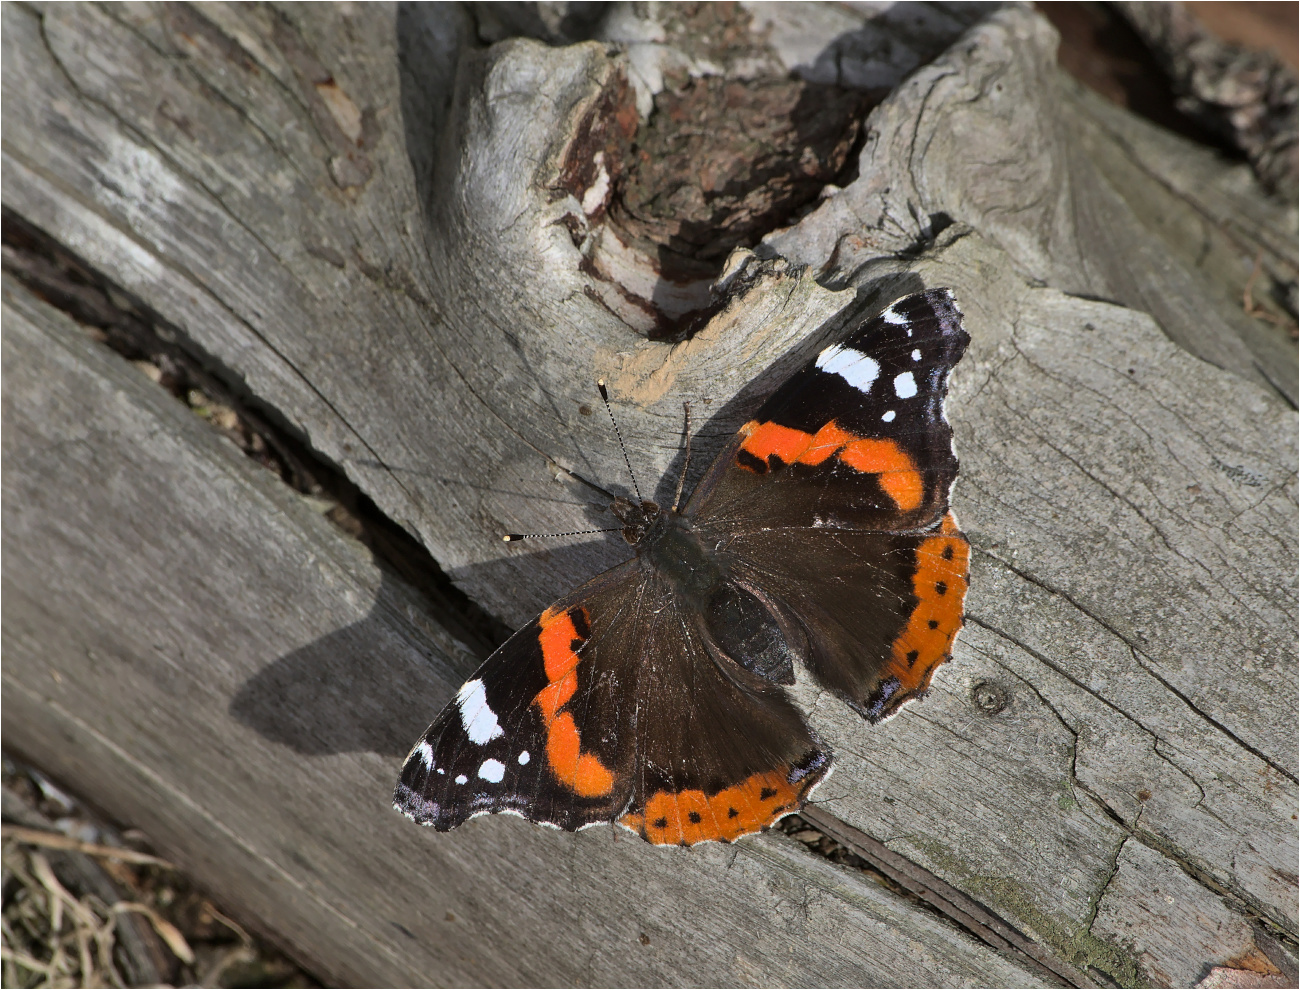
[1246, 97]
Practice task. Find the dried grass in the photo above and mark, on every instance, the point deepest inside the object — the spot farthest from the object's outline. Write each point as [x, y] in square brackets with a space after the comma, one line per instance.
[54, 935]
[53, 938]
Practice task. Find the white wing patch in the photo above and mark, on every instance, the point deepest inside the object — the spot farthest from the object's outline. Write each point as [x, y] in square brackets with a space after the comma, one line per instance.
[524, 758]
[905, 385]
[854, 367]
[492, 771]
[425, 752]
[480, 721]
[893, 316]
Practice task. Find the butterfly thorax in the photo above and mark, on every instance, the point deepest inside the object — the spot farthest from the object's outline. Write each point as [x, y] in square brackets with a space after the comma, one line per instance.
[666, 541]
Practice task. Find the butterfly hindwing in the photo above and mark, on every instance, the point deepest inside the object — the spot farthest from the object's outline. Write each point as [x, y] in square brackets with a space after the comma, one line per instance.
[878, 611]
[721, 751]
[615, 705]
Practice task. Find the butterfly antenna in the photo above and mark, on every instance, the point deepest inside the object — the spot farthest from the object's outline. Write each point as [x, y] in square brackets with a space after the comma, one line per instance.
[604, 395]
[514, 537]
[681, 478]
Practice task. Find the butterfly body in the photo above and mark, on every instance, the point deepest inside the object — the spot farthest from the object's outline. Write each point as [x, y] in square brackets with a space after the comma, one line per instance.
[652, 696]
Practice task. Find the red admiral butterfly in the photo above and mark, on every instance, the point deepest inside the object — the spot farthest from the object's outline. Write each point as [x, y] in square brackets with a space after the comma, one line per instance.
[651, 696]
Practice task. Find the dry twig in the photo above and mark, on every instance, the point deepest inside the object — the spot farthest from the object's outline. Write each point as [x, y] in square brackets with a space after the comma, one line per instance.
[56, 840]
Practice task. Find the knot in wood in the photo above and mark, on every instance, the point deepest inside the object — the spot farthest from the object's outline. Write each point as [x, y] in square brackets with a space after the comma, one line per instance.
[990, 697]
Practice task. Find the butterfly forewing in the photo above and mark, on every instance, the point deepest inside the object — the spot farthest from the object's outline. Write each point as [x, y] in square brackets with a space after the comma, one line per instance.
[572, 722]
[539, 730]
[857, 439]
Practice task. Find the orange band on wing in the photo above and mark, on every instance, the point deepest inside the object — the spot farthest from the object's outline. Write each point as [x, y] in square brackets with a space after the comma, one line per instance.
[828, 441]
[894, 468]
[940, 587]
[557, 639]
[765, 439]
[581, 772]
[687, 817]
[555, 695]
[897, 471]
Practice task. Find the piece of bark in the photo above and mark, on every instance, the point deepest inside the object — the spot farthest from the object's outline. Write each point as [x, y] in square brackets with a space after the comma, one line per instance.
[434, 333]
[1248, 97]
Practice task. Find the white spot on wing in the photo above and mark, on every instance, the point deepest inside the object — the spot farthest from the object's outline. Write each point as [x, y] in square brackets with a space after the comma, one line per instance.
[492, 771]
[916, 354]
[889, 416]
[461, 778]
[893, 316]
[480, 721]
[425, 752]
[853, 366]
[524, 758]
[441, 771]
[905, 385]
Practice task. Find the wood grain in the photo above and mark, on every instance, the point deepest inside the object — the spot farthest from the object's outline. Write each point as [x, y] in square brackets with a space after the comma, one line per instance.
[398, 287]
[151, 570]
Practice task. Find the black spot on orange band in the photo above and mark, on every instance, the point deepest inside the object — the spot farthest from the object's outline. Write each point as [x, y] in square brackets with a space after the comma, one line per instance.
[690, 816]
[939, 585]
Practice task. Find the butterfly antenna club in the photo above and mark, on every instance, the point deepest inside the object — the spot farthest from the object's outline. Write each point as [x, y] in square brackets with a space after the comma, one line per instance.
[604, 395]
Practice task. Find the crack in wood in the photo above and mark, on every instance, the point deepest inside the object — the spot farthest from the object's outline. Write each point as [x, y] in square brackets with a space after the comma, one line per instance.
[137, 333]
[1244, 902]
[961, 909]
[1208, 719]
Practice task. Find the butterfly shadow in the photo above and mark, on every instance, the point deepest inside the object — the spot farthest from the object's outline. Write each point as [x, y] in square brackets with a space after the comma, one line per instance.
[361, 688]
[372, 686]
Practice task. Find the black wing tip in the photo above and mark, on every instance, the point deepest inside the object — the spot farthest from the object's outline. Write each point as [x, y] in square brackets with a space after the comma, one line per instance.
[927, 308]
[418, 808]
[941, 297]
[943, 301]
[810, 769]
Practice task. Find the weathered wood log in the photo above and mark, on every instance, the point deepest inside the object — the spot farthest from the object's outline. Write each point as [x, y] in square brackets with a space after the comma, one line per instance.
[204, 567]
[401, 246]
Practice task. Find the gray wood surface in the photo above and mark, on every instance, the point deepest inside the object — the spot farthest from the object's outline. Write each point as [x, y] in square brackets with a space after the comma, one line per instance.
[152, 570]
[381, 264]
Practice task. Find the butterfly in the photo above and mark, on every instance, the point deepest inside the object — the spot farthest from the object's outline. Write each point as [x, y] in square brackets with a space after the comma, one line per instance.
[653, 695]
